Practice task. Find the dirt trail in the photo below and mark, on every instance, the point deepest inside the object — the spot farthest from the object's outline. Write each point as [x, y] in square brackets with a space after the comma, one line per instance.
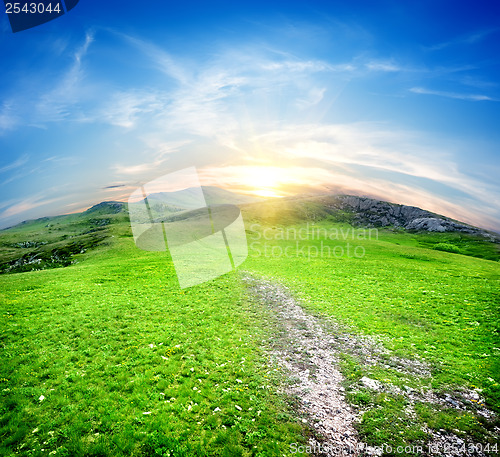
[305, 349]
[308, 349]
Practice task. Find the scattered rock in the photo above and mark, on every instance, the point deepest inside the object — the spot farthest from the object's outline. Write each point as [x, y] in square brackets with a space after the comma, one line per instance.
[303, 348]
[371, 383]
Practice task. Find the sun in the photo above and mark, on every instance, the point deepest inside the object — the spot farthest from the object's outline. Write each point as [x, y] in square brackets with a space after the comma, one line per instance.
[265, 181]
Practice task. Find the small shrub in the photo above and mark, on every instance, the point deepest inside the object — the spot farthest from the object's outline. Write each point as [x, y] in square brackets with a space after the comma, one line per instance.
[447, 247]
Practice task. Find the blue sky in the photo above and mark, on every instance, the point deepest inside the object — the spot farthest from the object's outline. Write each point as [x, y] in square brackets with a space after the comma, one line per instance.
[390, 99]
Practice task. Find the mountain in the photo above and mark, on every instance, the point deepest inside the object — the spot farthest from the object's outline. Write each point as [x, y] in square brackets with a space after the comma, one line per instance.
[188, 198]
[361, 212]
[50, 242]
[376, 213]
[106, 208]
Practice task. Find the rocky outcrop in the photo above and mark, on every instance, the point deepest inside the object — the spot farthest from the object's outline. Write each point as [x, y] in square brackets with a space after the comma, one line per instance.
[369, 212]
[107, 208]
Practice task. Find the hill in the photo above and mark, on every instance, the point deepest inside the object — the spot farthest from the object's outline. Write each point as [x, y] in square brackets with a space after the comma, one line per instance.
[110, 357]
[188, 198]
[59, 241]
[362, 212]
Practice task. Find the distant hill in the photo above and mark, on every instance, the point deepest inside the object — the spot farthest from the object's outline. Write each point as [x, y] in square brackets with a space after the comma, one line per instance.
[106, 208]
[358, 211]
[376, 213]
[187, 198]
[58, 241]
[361, 212]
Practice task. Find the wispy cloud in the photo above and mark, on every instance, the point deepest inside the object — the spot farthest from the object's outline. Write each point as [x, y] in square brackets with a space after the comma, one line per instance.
[136, 170]
[58, 103]
[458, 96]
[161, 59]
[474, 81]
[126, 108]
[306, 65]
[383, 66]
[27, 204]
[16, 164]
[468, 39]
[8, 118]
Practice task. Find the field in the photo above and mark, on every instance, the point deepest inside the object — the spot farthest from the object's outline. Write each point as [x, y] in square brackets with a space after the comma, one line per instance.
[108, 357]
[424, 305]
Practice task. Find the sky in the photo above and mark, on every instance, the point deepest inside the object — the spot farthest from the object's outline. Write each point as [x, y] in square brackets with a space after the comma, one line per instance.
[390, 99]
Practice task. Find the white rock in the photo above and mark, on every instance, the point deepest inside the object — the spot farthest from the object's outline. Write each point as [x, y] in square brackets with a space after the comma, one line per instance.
[371, 383]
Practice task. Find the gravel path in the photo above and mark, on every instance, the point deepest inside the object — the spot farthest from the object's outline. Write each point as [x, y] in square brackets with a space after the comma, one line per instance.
[308, 350]
[305, 349]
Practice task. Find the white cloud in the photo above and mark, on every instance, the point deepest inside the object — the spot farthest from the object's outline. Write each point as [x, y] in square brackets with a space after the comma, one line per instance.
[470, 38]
[310, 66]
[162, 60]
[58, 103]
[384, 66]
[28, 204]
[16, 164]
[135, 170]
[8, 119]
[471, 97]
[126, 108]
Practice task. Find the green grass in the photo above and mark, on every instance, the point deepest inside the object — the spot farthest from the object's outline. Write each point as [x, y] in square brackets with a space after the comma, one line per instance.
[113, 337]
[54, 242]
[422, 304]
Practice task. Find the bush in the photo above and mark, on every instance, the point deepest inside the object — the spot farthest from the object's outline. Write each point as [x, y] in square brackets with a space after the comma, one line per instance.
[448, 247]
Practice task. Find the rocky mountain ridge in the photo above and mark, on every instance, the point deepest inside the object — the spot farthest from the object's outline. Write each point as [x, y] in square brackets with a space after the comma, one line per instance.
[370, 212]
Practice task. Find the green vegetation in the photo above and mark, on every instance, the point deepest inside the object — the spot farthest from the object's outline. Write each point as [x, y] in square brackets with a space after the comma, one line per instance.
[108, 357]
[57, 241]
[422, 304]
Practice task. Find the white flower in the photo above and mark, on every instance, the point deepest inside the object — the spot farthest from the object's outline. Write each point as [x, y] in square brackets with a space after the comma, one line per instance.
[147, 412]
[41, 398]
[239, 380]
[239, 408]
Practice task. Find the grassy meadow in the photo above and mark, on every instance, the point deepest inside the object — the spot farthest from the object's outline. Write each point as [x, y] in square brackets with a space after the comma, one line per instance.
[108, 357]
[422, 304]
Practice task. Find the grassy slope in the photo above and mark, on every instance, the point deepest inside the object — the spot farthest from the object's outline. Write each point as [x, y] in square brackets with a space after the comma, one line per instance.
[53, 242]
[425, 304]
[85, 332]
[80, 336]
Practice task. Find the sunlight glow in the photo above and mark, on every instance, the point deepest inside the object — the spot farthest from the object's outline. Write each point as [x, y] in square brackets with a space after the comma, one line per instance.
[265, 181]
